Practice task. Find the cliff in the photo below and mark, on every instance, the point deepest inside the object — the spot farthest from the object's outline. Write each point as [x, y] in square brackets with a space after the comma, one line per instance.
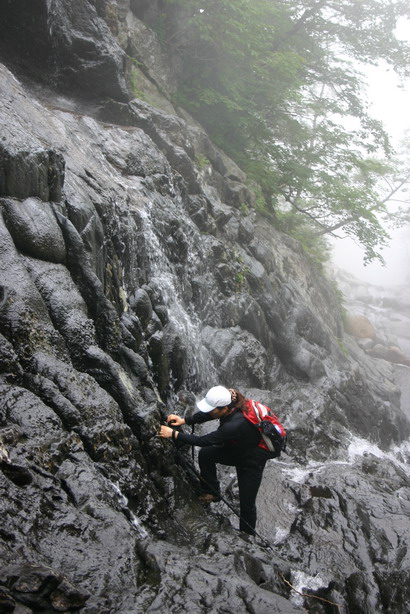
[135, 273]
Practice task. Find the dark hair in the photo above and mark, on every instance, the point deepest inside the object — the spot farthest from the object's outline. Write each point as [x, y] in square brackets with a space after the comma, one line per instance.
[239, 402]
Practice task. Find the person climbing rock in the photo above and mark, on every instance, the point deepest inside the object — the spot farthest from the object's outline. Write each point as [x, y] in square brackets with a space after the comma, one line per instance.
[236, 443]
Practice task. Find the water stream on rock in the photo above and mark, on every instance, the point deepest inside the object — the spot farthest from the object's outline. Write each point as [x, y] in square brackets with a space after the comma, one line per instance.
[202, 372]
[123, 501]
[103, 203]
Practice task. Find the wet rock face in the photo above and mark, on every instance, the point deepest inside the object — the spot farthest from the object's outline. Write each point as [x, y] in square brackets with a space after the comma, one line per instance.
[38, 173]
[18, 42]
[346, 524]
[34, 229]
[40, 587]
[68, 44]
[131, 280]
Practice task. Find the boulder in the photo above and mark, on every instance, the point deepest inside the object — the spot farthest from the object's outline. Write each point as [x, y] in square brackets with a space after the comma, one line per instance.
[37, 172]
[390, 353]
[359, 326]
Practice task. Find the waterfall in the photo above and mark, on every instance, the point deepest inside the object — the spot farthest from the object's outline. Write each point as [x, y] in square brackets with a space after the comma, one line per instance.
[53, 21]
[123, 502]
[202, 371]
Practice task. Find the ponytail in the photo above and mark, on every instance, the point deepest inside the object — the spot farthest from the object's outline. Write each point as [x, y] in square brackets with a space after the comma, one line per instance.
[238, 400]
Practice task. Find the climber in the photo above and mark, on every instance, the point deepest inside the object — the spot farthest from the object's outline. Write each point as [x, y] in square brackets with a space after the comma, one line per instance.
[234, 443]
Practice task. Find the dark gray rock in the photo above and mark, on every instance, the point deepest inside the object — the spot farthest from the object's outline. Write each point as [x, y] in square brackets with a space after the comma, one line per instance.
[77, 50]
[133, 330]
[141, 304]
[41, 587]
[34, 229]
[38, 173]
[160, 362]
[156, 283]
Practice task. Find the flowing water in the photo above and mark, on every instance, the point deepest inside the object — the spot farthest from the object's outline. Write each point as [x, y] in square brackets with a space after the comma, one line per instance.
[170, 282]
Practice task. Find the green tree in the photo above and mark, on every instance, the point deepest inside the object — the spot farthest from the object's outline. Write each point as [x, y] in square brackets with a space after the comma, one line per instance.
[276, 84]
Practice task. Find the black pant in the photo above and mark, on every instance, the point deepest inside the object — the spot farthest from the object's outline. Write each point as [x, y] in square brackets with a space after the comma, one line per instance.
[249, 469]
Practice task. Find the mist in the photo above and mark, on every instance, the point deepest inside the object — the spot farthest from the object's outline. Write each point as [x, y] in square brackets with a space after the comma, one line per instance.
[347, 255]
[389, 101]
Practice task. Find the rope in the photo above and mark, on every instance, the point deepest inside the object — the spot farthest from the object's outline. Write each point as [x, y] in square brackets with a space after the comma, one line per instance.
[307, 594]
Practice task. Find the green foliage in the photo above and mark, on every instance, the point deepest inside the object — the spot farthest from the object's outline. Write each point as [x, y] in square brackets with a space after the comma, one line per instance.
[275, 83]
[201, 161]
[133, 79]
[240, 278]
[298, 227]
[228, 76]
[260, 200]
[160, 26]
[342, 346]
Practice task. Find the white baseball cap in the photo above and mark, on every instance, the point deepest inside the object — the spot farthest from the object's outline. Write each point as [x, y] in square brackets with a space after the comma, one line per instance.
[218, 396]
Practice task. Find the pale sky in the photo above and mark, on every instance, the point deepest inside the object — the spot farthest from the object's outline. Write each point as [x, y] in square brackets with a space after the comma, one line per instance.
[390, 102]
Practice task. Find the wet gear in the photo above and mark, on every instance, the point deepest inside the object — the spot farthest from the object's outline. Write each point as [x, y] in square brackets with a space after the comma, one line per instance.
[273, 434]
[249, 470]
[234, 443]
[234, 430]
[218, 396]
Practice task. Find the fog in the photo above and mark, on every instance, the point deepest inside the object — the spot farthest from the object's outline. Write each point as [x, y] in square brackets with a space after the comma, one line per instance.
[390, 102]
[348, 255]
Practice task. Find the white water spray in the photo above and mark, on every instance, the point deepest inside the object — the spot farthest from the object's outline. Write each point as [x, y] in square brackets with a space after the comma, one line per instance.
[184, 319]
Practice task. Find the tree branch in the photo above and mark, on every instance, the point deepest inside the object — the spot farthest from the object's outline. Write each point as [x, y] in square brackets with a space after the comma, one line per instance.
[355, 218]
[305, 16]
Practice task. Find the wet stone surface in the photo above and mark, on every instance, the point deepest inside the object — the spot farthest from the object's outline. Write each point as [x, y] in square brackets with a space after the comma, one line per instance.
[131, 280]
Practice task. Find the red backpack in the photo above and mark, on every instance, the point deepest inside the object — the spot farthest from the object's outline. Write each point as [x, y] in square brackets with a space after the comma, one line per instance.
[273, 435]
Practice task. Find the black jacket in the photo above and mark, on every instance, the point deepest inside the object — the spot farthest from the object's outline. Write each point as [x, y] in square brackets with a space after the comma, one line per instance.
[234, 430]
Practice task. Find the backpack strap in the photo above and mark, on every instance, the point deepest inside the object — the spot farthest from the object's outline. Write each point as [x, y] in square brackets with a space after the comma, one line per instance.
[261, 411]
[266, 439]
[257, 412]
